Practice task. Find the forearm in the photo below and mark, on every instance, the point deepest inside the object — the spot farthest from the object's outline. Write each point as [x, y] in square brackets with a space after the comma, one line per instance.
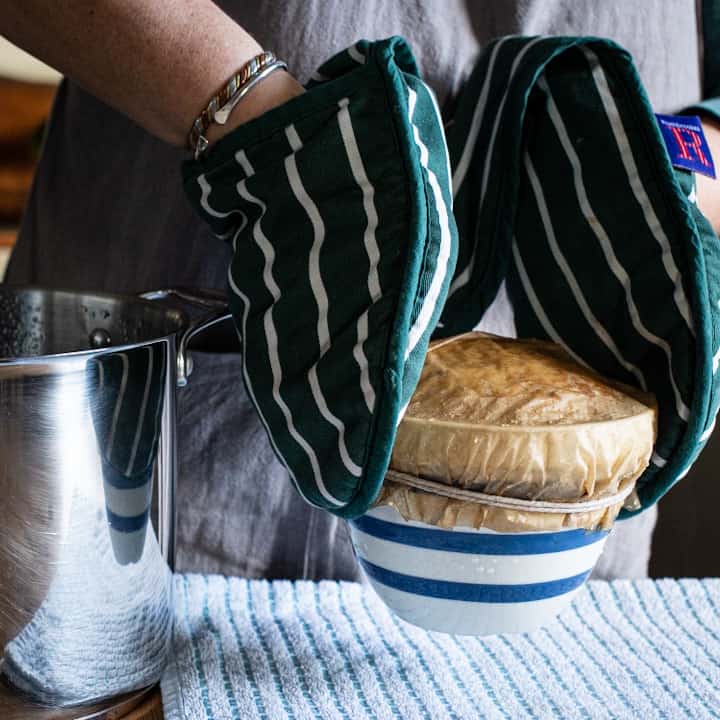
[157, 62]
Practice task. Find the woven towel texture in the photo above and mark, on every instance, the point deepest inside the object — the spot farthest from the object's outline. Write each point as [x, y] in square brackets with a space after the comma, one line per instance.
[257, 649]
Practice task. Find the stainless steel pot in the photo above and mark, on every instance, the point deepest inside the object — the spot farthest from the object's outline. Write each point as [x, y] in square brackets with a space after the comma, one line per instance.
[87, 471]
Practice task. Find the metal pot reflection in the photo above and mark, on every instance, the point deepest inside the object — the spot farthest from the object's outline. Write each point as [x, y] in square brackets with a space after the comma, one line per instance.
[87, 470]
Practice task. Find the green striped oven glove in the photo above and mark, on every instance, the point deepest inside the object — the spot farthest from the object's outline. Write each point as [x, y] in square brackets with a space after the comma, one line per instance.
[575, 227]
[339, 209]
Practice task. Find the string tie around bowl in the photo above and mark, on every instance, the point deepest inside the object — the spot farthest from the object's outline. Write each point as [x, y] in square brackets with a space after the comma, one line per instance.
[508, 503]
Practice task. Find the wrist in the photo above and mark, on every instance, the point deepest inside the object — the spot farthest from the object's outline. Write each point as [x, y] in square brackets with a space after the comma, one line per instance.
[708, 189]
[272, 91]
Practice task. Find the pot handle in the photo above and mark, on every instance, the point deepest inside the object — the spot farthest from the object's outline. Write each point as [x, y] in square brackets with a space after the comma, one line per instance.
[213, 301]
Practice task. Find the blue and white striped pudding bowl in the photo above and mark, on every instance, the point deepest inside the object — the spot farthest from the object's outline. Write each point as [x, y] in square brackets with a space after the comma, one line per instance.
[472, 582]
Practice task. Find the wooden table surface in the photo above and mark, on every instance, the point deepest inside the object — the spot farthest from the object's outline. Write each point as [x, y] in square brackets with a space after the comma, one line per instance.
[151, 709]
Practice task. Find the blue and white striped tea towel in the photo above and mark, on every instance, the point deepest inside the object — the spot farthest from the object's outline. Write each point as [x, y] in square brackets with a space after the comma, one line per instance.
[103, 628]
[257, 649]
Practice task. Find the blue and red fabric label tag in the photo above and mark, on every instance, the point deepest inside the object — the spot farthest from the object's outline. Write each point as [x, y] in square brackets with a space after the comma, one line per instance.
[686, 143]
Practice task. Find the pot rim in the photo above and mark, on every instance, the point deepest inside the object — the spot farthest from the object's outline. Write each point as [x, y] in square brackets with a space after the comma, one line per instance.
[183, 324]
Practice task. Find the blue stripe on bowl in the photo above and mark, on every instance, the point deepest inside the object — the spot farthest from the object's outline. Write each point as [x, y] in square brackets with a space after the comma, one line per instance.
[126, 523]
[478, 543]
[472, 592]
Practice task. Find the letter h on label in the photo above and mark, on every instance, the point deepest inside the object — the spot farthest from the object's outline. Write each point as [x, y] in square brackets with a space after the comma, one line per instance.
[689, 144]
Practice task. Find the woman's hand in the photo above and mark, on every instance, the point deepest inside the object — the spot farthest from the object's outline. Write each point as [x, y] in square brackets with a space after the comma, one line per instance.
[708, 190]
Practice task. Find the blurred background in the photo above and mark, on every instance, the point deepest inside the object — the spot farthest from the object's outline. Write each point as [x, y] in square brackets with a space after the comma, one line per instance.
[687, 539]
[26, 91]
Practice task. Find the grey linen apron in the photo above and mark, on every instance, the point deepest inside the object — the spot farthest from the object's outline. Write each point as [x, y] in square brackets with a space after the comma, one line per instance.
[107, 212]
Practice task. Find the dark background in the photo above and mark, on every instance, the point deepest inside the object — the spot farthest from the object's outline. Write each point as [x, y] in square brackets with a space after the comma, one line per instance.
[687, 538]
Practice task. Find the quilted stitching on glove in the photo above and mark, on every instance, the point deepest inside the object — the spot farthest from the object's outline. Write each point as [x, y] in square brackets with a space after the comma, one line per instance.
[339, 209]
